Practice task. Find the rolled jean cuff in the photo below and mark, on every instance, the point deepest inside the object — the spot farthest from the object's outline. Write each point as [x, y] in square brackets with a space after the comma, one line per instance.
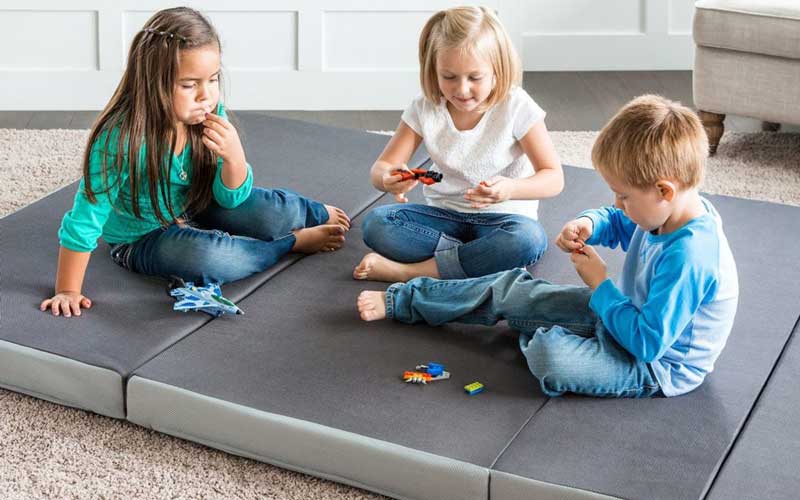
[318, 212]
[447, 260]
[391, 292]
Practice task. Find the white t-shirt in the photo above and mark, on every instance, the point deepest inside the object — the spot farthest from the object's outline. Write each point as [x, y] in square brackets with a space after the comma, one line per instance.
[467, 157]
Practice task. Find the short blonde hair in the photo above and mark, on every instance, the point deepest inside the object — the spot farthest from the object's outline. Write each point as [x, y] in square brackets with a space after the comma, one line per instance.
[650, 139]
[470, 29]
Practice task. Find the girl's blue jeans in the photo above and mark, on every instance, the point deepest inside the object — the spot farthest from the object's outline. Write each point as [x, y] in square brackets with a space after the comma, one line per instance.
[223, 245]
[567, 347]
[463, 244]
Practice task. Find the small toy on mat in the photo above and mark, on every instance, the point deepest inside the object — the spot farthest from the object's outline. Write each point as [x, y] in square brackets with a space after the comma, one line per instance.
[473, 388]
[207, 299]
[426, 373]
[427, 177]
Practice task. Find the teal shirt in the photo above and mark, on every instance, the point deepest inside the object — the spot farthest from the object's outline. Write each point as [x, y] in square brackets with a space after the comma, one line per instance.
[112, 216]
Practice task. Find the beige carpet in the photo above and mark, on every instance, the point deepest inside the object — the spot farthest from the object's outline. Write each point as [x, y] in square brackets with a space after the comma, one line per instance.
[50, 451]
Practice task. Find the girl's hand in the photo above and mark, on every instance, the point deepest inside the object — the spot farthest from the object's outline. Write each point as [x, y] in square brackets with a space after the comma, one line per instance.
[590, 266]
[494, 190]
[574, 234]
[394, 184]
[222, 139]
[68, 303]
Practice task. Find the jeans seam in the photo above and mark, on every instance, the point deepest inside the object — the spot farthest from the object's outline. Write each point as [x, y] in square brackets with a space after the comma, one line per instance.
[389, 302]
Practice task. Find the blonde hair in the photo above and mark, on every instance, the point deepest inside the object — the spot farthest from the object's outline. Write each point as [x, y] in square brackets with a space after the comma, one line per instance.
[650, 139]
[470, 29]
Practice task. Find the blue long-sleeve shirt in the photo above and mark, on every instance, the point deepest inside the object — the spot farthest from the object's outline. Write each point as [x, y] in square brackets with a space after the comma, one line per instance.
[112, 216]
[677, 295]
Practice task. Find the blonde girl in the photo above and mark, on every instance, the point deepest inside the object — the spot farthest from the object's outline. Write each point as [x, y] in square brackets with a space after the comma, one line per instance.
[487, 137]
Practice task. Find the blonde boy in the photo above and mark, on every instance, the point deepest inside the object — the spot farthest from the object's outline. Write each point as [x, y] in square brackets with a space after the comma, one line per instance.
[661, 327]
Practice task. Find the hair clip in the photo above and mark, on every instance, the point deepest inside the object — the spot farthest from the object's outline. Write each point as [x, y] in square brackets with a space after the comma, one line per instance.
[164, 33]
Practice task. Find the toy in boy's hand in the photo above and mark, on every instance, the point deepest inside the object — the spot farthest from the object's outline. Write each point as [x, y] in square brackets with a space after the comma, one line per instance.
[207, 299]
[427, 177]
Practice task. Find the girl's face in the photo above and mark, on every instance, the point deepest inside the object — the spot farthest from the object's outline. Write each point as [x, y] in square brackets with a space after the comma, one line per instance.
[197, 86]
[464, 79]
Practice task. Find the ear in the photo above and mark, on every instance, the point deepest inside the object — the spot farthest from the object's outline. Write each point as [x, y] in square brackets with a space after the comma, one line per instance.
[667, 189]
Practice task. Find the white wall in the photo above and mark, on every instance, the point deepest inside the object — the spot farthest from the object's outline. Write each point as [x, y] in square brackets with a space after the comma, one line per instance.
[319, 54]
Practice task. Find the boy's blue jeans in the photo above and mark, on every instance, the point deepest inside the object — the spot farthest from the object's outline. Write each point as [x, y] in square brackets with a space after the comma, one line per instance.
[223, 245]
[567, 347]
[463, 244]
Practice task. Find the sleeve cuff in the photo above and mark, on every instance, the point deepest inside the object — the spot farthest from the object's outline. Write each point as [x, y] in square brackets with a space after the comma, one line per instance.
[604, 297]
[231, 198]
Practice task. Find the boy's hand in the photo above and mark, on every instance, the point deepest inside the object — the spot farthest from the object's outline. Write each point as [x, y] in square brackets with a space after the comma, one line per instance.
[222, 139]
[494, 190]
[395, 185]
[68, 303]
[574, 234]
[590, 266]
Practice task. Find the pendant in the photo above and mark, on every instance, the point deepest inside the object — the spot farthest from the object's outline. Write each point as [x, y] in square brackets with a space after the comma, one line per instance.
[182, 175]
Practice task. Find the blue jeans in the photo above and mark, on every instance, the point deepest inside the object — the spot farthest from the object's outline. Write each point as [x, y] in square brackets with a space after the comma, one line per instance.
[567, 347]
[223, 245]
[463, 244]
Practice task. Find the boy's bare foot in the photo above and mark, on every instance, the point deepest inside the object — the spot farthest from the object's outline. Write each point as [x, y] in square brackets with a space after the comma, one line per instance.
[372, 305]
[337, 216]
[325, 238]
[376, 267]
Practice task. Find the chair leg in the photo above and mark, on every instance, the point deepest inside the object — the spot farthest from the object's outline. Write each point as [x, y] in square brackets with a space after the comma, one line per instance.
[713, 123]
[770, 126]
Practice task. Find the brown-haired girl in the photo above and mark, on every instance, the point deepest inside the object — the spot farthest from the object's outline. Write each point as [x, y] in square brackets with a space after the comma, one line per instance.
[165, 179]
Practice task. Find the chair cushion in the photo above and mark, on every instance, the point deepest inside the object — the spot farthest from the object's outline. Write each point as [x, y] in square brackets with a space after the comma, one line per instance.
[770, 27]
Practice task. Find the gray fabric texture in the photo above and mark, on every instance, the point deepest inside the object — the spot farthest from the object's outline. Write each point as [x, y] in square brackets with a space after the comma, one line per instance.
[763, 463]
[673, 447]
[741, 83]
[61, 380]
[510, 487]
[132, 319]
[748, 31]
[304, 446]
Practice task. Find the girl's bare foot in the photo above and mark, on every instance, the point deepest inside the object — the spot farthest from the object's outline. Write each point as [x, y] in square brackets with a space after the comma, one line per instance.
[337, 216]
[376, 267]
[325, 238]
[372, 305]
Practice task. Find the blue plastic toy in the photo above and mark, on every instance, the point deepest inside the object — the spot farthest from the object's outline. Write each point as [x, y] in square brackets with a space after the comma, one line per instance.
[207, 299]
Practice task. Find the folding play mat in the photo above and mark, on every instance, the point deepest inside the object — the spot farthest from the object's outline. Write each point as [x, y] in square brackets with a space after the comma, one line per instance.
[301, 382]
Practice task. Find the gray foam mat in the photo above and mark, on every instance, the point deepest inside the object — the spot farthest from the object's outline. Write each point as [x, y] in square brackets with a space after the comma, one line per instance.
[672, 448]
[763, 462]
[304, 354]
[83, 361]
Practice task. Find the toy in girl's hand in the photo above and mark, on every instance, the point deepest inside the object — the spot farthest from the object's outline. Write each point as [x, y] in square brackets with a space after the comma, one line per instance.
[427, 177]
[207, 299]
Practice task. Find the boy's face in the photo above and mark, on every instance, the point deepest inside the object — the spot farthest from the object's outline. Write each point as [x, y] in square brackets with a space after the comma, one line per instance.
[646, 207]
[464, 79]
[196, 89]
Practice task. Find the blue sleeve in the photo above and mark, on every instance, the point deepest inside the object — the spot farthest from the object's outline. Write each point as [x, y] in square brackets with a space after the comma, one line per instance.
[223, 195]
[678, 287]
[610, 227]
[83, 224]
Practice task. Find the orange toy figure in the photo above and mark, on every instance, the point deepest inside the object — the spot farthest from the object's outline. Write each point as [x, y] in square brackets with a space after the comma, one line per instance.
[426, 177]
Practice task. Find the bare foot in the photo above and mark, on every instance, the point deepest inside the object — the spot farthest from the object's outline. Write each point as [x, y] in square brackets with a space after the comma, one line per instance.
[325, 238]
[337, 216]
[376, 267]
[372, 305]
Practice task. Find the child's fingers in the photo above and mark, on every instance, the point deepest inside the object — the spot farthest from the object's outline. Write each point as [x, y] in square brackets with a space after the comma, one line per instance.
[400, 198]
[213, 135]
[214, 147]
[212, 125]
[217, 119]
[45, 304]
[86, 302]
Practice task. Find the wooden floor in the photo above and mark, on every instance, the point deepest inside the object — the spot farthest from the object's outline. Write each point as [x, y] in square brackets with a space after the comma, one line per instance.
[573, 101]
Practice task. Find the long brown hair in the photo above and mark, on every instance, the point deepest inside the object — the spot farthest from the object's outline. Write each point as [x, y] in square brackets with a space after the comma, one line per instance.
[141, 109]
